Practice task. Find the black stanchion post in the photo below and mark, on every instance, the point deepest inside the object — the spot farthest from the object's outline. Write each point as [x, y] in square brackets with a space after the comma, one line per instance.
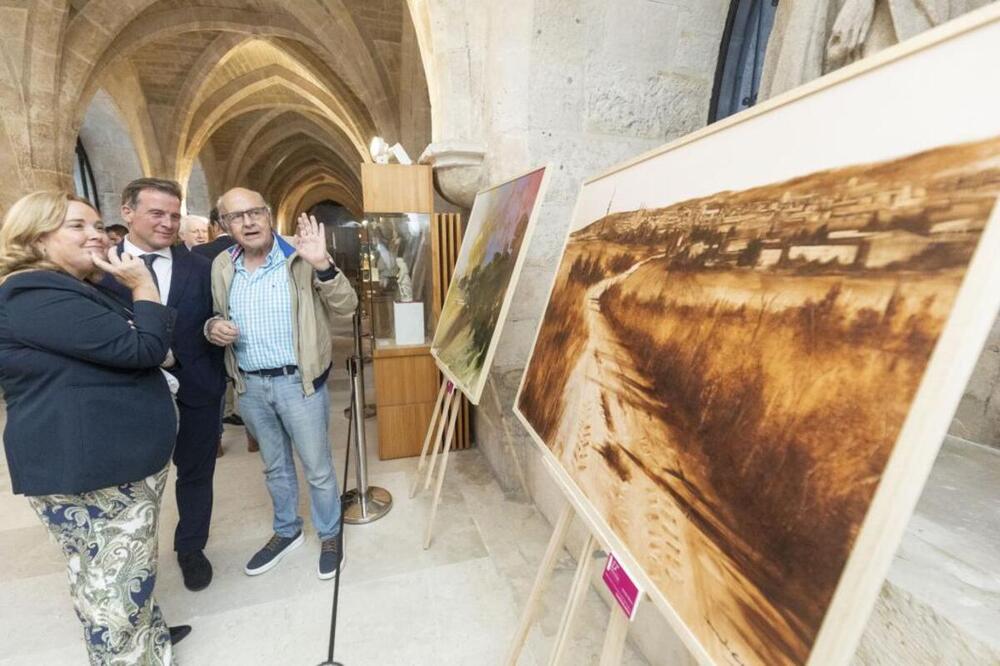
[343, 542]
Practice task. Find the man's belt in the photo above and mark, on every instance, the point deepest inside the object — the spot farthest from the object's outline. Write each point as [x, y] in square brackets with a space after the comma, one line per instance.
[273, 372]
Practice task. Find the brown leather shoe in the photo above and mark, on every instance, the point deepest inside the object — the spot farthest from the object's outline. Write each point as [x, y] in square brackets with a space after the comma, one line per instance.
[252, 445]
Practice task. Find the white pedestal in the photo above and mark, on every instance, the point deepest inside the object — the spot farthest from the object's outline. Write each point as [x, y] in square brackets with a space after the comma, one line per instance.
[409, 323]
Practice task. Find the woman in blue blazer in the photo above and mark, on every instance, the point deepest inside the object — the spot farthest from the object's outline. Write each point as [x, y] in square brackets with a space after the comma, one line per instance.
[90, 419]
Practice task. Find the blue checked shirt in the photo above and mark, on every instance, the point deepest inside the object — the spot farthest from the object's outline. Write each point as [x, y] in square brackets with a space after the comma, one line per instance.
[261, 306]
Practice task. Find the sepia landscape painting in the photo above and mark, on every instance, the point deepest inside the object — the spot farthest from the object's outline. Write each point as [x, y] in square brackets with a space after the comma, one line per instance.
[725, 377]
[485, 277]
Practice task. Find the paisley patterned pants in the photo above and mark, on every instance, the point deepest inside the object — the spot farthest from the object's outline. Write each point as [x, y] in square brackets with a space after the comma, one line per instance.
[109, 538]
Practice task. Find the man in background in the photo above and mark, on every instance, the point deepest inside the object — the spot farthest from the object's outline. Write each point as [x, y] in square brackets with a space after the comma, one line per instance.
[151, 207]
[116, 232]
[273, 302]
[221, 241]
[194, 230]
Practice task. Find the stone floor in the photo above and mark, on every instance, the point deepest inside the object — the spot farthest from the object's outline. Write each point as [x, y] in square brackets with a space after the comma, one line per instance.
[401, 605]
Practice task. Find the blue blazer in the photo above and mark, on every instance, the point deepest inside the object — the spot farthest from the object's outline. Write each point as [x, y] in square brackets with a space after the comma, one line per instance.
[87, 405]
[200, 367]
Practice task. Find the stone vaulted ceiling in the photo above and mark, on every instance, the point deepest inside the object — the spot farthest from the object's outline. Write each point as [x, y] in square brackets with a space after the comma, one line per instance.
[280, 95]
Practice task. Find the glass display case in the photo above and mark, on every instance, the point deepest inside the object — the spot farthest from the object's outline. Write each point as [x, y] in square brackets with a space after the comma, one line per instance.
[396, 277]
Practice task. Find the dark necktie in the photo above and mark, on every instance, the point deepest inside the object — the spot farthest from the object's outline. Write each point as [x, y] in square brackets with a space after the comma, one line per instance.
[148, 259]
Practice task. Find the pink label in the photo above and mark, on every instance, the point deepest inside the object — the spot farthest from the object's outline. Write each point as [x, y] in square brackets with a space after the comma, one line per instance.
[622, 586]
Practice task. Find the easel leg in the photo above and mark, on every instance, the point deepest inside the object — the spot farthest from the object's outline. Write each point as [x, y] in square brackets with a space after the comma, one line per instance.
[581, 583]
[541, 578]
[614, 640]
[449, 403]
[435, 416]
[456, 408]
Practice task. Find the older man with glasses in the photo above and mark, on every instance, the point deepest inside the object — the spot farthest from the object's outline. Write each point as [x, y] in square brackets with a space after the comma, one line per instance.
[273, 301]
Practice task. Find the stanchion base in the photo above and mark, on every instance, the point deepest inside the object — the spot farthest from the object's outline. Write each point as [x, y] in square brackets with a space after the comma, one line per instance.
[370, 411]
[359, 511]
[331, 663]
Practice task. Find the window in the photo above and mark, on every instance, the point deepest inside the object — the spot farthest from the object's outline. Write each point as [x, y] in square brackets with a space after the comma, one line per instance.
[83, 177]
[741, 56]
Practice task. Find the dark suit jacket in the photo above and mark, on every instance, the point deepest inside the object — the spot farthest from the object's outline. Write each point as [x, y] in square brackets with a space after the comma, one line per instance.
[87, 406]
[199, 368]
[211, 250]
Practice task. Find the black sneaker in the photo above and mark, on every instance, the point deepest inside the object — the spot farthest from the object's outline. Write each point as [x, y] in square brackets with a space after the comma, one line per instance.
[331, 554]
[196, 569]
[268, 557]
[179, 633]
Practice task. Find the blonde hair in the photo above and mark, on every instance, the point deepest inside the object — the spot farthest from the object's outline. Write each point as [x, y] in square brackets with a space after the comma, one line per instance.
[28, 220]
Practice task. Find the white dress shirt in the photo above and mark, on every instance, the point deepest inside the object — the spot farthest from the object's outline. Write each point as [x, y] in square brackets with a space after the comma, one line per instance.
[164, 269]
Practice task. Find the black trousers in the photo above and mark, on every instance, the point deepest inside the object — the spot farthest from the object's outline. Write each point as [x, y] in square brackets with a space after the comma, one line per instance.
[194, 456]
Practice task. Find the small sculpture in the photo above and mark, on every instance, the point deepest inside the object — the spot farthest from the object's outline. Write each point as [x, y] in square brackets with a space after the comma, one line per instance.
[403, 281]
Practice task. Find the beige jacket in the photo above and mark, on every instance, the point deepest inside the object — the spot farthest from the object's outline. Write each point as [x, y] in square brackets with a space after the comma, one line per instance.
[313, 303]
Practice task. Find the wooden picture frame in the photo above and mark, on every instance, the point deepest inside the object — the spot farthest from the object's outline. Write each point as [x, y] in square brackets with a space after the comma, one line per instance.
[929, 92]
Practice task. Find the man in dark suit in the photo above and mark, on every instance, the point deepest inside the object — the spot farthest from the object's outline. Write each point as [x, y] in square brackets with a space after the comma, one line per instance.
[223, 241]
[151, 207]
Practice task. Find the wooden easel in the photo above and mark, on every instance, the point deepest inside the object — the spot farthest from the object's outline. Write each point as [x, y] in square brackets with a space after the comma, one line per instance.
[617, 631]
[440, 433]
[440, 436]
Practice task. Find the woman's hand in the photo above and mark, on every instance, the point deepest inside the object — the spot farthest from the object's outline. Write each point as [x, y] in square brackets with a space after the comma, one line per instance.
[131, 272]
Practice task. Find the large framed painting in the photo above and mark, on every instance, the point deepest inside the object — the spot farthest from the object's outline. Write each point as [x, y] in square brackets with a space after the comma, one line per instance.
[489, 263]
[757, 336]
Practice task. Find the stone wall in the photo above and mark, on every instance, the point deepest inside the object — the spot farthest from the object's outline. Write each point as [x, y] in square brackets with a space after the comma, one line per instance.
[978, 415]
[580, 85]
[112, 154]
[197, 197]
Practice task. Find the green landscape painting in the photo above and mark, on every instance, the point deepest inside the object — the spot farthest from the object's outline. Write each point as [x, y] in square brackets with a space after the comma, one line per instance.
[485, 278]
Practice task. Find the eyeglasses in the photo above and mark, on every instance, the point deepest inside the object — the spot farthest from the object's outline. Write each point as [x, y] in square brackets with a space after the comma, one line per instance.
[255, 214]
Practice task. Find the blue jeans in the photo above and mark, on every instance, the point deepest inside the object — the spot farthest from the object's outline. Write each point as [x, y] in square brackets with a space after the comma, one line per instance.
[279, 415]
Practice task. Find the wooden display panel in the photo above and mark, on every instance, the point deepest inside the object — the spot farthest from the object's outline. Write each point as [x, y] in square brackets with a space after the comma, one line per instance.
[447, 233]
[405, 375]
[397, 188]
[402, 428]
[406, 382]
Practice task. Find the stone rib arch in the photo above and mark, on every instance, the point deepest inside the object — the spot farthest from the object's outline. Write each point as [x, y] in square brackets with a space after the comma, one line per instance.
[193, 82]
[45, 32]
[298, 155]
[312, 22]
[122, 85]
[313, 192]
[293, 200]
[258, 144]
[200, 94]
[15, 135]
[219, 105]
[237, 171]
